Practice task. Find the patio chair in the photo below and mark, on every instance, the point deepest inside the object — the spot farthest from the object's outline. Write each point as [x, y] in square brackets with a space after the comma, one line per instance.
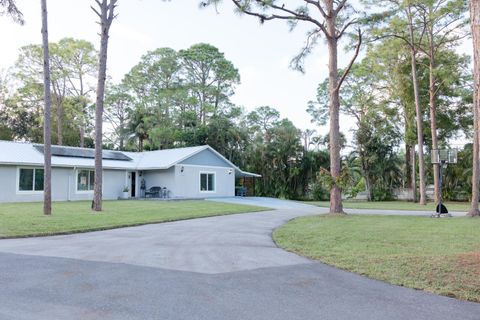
[153, 192]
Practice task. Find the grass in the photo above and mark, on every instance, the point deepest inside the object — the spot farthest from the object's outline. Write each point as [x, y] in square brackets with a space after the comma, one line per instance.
[436, 255]
[395, 205]
[26, 219]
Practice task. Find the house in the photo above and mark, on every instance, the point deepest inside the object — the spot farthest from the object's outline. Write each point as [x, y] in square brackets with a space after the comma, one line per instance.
[194, 172]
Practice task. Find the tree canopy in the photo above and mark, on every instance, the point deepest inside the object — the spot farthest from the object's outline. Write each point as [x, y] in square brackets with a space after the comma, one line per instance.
[404, 85]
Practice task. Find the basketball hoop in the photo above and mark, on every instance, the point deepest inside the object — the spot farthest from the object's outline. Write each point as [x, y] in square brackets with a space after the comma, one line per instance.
[442, 158]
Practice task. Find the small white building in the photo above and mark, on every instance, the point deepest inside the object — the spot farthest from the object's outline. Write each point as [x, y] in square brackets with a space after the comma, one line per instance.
[194, 172]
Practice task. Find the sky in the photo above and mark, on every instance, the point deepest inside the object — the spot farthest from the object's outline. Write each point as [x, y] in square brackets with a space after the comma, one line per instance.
[261, 53]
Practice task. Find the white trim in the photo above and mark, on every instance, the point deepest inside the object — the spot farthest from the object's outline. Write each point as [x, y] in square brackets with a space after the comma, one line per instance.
[40, 165]
[200, 182]
[202, 166]
[27, 192]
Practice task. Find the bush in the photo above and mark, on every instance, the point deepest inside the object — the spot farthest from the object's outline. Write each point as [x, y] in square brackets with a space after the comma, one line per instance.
[318, 192]
[380, 193]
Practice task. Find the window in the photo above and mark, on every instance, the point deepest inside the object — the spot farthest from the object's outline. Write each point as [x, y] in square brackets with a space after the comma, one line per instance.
[30, 179]
[207, 182]
[85, 180]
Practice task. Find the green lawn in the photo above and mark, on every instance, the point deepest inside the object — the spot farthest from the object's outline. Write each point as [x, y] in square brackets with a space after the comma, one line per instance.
[437, 255]
[395, 205]
[26, 219]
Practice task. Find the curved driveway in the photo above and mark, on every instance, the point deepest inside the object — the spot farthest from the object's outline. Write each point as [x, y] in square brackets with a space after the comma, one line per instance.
[223, 267]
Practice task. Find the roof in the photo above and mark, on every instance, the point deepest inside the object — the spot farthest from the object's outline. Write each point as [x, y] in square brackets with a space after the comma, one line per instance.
[164, 159]
[61, 151]
[244, 174]
[22, 153]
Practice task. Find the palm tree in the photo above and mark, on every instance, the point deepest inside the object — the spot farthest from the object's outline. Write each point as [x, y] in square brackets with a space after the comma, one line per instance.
[137, 127]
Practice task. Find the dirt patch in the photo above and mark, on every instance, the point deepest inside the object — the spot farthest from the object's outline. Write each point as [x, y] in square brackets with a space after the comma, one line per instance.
[470, 262]
[456, 276]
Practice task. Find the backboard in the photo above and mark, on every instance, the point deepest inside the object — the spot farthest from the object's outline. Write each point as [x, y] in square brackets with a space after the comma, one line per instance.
[444, 156]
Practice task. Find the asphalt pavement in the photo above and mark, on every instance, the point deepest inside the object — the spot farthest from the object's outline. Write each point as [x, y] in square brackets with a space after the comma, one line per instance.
[212, 268]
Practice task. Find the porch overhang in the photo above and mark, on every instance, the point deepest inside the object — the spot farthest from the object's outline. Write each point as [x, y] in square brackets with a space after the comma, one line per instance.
[244, 174]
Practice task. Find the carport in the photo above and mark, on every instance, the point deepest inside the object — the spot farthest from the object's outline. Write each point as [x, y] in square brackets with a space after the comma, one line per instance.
[245, 183]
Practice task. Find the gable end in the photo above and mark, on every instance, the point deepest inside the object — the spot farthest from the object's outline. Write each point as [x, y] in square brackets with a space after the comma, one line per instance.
[206, 158]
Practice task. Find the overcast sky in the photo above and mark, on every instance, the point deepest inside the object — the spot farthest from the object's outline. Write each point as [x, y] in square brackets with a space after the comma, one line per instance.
[261, 52]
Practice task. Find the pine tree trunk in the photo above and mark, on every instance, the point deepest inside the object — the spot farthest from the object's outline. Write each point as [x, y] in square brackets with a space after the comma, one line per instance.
[433, 127]
[418, 110]
[122, 135]
[97, 192]
[474, 211]
[59, 122]
[368, 188]
[334, 111]
[408, 167]
[475, 23]
[105, 22]
[47, 129]
[82, 124]
[82, 136]
[432, 91]
[414, 174]
[140, 144]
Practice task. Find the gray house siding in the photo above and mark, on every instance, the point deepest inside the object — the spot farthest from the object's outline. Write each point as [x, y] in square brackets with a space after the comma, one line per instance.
[113, 184]
[205, 161]
[10, 192]
[9, 187]
[206, 158]
[63, 185]
[188, 181]
[189, 171]
[162, 178]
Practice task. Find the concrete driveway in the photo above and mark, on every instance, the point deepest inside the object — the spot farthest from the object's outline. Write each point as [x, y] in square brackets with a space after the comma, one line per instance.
[213, 268]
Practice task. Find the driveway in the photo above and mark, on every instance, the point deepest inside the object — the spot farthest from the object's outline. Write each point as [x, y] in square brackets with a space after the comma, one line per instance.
[212, 268]
[283, 204]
